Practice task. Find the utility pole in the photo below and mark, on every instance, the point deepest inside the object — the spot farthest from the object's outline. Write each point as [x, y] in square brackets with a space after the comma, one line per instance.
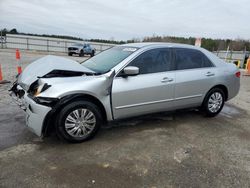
[227, 53]
[244, 57]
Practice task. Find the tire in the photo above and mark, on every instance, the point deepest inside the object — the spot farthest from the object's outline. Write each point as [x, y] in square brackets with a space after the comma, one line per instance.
[213, 102]
[81, 54]
[78, 130]
[92, 53]
[70, 54]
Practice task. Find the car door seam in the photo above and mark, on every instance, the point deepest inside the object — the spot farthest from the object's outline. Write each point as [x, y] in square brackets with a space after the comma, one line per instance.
[155, 102]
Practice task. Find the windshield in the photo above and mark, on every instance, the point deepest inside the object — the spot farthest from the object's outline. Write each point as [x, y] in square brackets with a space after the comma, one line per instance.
[108, 59]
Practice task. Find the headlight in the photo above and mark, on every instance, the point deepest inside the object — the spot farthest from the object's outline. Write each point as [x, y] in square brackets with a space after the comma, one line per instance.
[47, 101]
[41, 88]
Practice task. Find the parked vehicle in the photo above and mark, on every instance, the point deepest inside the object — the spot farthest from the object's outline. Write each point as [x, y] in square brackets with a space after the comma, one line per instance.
[81, 50]
[125, 81]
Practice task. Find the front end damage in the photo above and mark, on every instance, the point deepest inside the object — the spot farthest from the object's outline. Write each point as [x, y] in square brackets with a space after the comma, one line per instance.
[35, 113]
[43, 94]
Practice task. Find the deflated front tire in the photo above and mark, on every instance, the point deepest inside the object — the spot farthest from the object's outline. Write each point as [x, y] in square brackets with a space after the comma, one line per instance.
[78, 121]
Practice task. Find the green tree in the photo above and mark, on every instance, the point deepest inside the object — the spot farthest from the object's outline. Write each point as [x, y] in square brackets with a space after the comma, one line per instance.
[13, 31]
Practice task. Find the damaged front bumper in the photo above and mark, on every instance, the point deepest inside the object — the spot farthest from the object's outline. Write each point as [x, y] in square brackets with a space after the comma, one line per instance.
[35, 113]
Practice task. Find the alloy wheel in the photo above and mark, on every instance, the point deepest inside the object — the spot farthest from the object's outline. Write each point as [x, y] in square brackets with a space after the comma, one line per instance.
[80, 123]
[215, 102]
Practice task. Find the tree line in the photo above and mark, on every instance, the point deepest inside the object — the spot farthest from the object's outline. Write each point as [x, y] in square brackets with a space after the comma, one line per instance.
[14, 31]
[207, 43]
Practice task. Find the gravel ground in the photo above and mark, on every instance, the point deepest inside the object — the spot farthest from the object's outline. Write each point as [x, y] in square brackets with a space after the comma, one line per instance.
[180, 149]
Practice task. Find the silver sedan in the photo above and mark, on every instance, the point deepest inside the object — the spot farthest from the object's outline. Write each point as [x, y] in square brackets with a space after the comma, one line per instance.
[75, 99]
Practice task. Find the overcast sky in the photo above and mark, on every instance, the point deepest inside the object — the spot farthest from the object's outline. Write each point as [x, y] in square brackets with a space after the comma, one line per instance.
[126, 19]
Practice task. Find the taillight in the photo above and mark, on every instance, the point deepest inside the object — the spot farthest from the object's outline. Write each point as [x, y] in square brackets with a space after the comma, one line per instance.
[237, 74]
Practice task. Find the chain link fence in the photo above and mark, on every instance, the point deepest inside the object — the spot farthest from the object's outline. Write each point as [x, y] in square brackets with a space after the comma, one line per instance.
[48, 44]
[237, 57]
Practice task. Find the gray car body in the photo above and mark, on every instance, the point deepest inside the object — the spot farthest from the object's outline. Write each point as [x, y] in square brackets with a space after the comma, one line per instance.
[123, 97]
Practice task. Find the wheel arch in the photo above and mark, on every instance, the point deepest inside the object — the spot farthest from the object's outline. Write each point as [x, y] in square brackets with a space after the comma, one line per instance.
[220, 86]
[224, 89]
[50, 119]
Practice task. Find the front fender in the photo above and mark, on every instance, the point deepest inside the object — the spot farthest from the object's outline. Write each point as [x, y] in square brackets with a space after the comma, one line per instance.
[51, 118]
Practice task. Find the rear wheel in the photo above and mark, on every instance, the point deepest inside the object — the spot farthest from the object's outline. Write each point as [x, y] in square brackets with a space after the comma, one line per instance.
[78, 121]
[70, 54]
[92, 53]
[213, 102]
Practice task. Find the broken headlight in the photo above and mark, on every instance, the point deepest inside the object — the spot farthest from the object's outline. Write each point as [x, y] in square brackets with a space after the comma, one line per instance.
[47, 101]
[41, 88]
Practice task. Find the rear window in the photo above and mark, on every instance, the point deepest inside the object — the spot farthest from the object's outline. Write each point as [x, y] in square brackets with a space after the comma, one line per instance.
[190, 59]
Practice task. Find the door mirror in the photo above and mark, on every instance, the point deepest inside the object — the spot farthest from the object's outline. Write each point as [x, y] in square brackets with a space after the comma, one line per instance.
[130, 71]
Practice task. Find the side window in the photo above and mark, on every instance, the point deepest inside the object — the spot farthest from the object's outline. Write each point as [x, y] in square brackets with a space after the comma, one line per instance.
[190, 59]
[153, 61]
[206, 62]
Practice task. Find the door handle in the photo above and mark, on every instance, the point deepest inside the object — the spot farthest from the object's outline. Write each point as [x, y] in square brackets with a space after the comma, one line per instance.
[210, 74]
[166, 79]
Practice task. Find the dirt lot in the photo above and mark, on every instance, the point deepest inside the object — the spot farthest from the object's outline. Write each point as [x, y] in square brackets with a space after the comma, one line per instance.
[181, 149]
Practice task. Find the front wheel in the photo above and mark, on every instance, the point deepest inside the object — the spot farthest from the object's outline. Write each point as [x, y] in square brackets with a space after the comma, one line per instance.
[213, 102]
[78, 121]
[92, 53]
[81, 54]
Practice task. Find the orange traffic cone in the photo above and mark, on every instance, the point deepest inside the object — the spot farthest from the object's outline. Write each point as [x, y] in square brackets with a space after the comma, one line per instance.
[19, 68]
[247, 68]
[1, 77]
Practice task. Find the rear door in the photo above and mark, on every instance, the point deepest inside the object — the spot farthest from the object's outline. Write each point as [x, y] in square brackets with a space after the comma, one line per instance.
[152, 90]
[195, 75]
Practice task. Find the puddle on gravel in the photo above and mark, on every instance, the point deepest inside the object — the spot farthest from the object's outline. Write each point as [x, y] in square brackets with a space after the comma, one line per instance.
[231, 111]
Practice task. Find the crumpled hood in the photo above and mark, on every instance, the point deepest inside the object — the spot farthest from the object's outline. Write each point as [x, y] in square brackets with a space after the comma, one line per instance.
[45, 65]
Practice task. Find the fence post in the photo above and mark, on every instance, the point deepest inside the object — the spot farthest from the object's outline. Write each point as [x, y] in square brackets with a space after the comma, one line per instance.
[243, 59]
[1, 39]
[47, 45]
[27, 43]
[65, 46]
[231, 54]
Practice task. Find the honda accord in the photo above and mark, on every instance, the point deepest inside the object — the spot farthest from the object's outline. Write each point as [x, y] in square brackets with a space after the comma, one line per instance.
[74, 99]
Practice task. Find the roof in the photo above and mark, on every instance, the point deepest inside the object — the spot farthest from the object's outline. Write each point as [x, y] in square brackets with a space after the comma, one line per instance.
[152, 44]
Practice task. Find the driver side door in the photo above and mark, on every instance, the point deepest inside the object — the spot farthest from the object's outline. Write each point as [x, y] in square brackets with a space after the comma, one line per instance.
[152, 90]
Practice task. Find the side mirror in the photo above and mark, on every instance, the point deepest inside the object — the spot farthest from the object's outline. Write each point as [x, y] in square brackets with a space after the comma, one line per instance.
[130, 71]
